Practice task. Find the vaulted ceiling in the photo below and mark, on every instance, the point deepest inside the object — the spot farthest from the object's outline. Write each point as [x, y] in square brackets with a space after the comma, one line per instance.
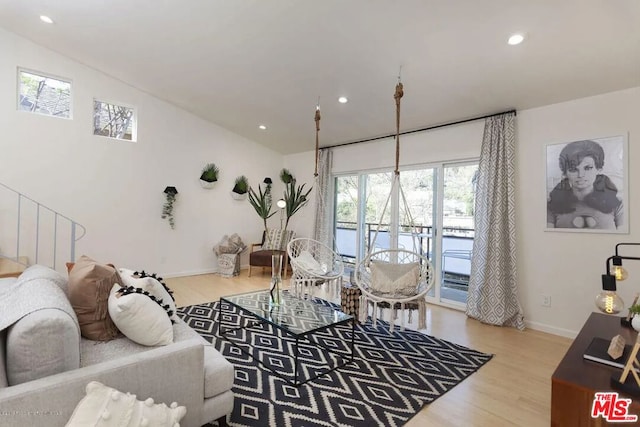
[242, 63]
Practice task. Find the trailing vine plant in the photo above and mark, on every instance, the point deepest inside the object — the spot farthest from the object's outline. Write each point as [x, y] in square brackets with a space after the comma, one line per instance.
[167, 209]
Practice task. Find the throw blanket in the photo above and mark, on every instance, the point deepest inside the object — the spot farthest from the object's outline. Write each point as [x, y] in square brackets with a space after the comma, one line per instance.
[27, 296]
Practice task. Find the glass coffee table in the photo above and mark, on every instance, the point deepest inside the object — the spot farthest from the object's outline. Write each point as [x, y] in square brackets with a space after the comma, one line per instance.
[299, 340]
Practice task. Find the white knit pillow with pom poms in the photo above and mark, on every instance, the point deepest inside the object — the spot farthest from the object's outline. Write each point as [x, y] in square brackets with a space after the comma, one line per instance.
[104, 406]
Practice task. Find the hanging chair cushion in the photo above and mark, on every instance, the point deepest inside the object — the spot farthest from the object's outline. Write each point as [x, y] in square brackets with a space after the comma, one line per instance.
[308, 263]
[395, 279]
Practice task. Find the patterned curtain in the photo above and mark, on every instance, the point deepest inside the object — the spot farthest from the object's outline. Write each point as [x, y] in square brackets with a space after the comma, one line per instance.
[323, 225]
[493, 293]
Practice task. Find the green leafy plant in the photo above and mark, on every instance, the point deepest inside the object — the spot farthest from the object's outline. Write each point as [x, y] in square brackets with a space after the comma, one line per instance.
[294, 195]
[210, 173]
[241, 185]
[262, 202]
[286, 176]
[634, 309]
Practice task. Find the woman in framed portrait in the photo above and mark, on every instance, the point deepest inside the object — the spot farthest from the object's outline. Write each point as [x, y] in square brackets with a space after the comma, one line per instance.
[585, 197]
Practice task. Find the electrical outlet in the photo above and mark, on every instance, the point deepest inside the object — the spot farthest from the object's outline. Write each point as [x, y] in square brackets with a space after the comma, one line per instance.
[546, 300]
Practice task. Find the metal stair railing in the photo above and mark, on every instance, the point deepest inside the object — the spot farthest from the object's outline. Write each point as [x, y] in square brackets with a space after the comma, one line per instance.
[33, 252]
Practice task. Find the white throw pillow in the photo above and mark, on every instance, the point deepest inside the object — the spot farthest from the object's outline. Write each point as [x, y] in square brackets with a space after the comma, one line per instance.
[307, 262]
[108, 407]
[395, 279]
[151, 285]
[140, 318]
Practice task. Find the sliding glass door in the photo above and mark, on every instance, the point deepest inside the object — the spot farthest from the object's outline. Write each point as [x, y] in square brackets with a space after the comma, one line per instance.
[458, 231]
[346, 231]
[431, 213]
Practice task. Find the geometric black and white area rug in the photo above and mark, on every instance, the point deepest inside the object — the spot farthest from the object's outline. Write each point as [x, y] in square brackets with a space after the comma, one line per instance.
[392, 377]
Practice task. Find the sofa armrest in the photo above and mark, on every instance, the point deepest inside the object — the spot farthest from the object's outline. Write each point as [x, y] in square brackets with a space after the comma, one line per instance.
[172, 373]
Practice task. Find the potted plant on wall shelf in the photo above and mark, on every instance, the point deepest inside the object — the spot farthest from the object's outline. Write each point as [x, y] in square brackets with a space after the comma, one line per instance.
[240, 188]
[209, 175]
[634, 310]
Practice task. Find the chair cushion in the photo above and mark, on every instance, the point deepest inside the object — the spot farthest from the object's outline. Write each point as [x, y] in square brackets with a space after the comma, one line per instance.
[395, 279]
[276, 239]
[89, 285]
[308, 263]
[263, 258]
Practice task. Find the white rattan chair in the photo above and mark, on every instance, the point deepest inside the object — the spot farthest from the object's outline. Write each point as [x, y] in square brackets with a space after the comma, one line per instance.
[396, 279]
[313, 263]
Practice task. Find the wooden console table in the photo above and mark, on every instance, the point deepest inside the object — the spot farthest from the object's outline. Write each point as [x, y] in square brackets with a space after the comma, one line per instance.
[576, 380]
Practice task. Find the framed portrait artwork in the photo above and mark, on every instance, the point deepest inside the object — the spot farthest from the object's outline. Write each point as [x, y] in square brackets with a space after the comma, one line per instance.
[587, 186]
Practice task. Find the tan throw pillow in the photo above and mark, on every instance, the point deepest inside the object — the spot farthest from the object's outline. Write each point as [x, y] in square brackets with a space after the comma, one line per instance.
[89, 285]
[395, 279]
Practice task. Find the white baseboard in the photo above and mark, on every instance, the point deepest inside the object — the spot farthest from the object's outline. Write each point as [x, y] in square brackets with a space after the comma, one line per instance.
[542, 327]
[190, 273]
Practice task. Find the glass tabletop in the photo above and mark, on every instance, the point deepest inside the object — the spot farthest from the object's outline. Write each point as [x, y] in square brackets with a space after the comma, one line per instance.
[295, 315]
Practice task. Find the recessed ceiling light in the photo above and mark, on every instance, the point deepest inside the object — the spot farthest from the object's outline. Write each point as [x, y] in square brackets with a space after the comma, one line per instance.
[45, 18]
[343, 100]
[515, 39]
[263, 127]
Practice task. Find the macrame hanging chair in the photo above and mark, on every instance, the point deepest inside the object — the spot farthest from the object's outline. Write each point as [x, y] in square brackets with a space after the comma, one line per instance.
[313, 262]
[395, 278]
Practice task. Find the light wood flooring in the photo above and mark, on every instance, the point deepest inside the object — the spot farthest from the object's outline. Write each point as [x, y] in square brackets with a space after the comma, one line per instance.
[513, 389]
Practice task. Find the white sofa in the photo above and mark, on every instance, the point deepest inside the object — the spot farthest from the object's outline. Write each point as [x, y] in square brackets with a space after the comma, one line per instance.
[190, 371]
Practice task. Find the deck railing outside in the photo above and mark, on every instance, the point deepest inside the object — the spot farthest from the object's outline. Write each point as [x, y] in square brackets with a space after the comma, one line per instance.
[457, 244]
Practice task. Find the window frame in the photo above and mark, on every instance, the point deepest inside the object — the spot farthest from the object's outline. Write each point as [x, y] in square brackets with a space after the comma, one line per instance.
[20, 70]
[134, 124]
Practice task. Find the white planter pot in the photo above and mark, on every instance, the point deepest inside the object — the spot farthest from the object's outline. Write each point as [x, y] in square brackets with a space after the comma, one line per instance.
[635, 322]
[237, 196]
[207, 184]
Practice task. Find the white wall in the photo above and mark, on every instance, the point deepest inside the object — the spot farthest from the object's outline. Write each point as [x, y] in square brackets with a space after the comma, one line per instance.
[115, 188]
[566, 266]
[441, 145]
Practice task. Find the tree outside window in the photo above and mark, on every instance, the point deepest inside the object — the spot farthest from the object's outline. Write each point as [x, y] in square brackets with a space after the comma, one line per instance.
[113, 121]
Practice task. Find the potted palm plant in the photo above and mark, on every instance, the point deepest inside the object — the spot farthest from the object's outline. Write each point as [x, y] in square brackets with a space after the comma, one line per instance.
[262, 201]
[240, 188]
[209, 175]
[295, 195]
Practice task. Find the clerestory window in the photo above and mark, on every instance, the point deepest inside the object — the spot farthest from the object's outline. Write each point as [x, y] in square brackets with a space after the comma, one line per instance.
[114, 121]
[43, 94]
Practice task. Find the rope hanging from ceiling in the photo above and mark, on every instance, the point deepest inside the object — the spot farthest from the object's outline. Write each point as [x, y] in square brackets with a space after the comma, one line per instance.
[398, 96]
[317, 120]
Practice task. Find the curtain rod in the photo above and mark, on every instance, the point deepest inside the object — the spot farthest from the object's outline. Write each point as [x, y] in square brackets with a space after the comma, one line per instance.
[473, 119]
